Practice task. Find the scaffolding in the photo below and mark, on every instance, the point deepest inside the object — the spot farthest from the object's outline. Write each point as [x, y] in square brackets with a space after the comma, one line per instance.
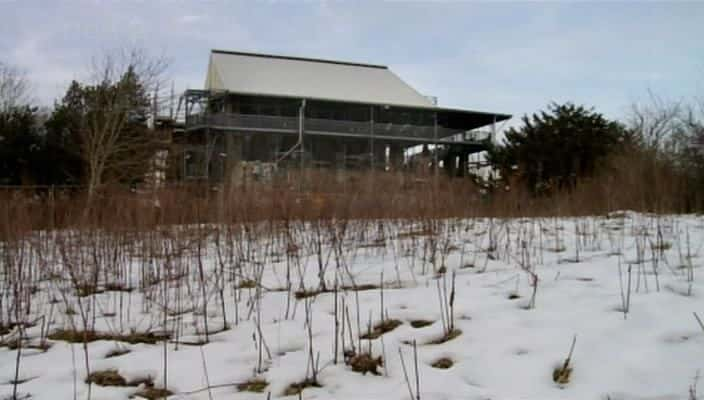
[223, 130]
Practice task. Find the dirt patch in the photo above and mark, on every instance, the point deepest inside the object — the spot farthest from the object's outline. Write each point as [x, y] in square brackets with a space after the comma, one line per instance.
[421, 323]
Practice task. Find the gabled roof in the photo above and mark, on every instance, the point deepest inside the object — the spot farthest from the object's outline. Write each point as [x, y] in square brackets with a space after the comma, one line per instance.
[264, 74]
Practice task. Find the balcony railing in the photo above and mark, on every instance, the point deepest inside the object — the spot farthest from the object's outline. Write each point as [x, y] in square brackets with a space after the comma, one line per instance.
[334, 127]
[243, 121]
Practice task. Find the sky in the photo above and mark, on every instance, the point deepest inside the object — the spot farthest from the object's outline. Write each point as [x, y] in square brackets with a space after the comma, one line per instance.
[507, 57]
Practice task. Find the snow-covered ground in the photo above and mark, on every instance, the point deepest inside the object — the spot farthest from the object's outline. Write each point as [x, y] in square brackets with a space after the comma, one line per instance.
[506, 349]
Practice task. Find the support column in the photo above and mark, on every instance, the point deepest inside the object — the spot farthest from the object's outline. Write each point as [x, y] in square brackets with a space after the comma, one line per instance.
[463, 164]
[301, 130]
[435, 148]
[371, 138]
[493, 130]
[233, 161]
[207, 153]
[448, 163]
[396, 156]
[379, 155]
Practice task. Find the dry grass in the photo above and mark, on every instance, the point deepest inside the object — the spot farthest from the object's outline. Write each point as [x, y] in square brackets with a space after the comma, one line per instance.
[117, 352]
[446, 338]
[561, 374]
[304, 294]
[381, 328]
[72, 336]
[297, 387]
[108, 377]
[15, 343]
[323, 195]
[247, 284]
[364, 363]
[360, 288]
[20, 381]
[152, 393]
[255, 385]
[443, 363]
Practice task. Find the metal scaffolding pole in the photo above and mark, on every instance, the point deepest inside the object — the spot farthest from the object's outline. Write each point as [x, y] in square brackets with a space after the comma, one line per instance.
[493, 130]
[435, 145]
[301, 128]
[371, 132]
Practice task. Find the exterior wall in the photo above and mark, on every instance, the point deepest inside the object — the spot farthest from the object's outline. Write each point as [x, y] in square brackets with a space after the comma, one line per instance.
[244, 129]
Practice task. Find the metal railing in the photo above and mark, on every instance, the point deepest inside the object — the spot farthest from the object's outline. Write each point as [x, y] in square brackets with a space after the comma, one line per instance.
[329, 126]
[243, 121]
[335, 126]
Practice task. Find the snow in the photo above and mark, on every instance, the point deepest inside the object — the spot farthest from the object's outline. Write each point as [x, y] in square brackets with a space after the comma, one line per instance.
[506, 350]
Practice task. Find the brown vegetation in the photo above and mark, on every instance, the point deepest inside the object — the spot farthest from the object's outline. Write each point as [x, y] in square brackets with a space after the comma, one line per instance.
[255, 385]
[381, 328]
[111, 377]
[421, 323]
[297, 387]
[447, 337]
[443, 363]
[364, 363]
[75, 336]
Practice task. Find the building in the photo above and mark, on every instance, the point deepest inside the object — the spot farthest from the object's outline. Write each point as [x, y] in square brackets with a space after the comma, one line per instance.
[273, 112]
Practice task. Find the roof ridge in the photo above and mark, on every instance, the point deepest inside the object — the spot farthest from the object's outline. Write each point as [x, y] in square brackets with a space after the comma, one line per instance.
[294, 58]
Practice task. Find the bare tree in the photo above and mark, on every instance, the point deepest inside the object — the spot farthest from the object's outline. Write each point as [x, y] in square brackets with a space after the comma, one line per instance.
[117, 106]
[14, 88]
[655, 120]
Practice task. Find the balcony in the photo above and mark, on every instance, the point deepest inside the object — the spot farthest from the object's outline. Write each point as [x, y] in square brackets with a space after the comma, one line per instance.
[329, 127]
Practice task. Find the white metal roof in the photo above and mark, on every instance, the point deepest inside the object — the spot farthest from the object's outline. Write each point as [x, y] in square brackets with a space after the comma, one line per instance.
[309, 78]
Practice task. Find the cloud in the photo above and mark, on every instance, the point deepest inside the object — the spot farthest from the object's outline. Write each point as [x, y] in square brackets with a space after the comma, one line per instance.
[190, 19]
[504, 57]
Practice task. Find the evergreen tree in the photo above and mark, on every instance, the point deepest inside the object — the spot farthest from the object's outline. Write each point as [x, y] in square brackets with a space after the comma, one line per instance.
[62, 143]
[20, 145]
[555, 148]
[100, 133]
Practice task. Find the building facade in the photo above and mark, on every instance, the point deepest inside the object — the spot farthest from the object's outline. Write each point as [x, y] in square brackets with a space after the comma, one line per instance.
[276, 112]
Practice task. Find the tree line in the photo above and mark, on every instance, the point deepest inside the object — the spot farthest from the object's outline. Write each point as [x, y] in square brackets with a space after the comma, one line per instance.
[97, 133]
[655, 153]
